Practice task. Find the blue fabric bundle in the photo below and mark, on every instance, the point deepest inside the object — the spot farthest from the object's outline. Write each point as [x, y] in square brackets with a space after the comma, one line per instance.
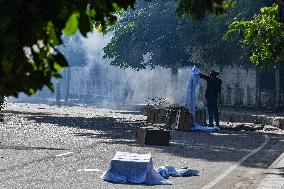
[167, 171]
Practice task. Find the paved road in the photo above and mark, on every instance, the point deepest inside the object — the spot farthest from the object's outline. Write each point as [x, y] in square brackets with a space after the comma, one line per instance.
[48, 147]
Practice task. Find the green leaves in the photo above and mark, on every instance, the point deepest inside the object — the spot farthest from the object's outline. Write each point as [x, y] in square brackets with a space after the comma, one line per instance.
[60, 62]
[82, 21]
[230, 34]
[53, 38]
[38, 26]
[72, 23]
[264, 35]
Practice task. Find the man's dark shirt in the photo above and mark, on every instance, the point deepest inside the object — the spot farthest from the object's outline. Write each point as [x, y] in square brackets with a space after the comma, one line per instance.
[213, 86]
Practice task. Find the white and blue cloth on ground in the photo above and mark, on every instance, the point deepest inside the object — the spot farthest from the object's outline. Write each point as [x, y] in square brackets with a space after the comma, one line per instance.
[135, 168]
[190, 99]
[167, 171]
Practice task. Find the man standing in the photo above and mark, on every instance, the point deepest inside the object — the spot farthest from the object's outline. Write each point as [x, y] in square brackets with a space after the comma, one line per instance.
[212, 94]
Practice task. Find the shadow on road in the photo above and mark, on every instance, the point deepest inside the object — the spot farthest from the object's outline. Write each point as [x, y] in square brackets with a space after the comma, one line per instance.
[224, 146]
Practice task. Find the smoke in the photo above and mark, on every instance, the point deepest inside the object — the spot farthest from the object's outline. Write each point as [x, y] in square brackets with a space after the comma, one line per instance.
[131, 86]
[93, 80]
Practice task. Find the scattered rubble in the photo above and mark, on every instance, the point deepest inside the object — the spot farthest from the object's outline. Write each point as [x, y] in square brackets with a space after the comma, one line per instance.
[270, 128]
[256, 120]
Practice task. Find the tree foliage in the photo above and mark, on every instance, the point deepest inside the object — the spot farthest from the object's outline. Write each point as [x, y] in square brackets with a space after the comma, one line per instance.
[151, 30]
[172, 41]
[31, 30]
[197, 9]
[263, 36]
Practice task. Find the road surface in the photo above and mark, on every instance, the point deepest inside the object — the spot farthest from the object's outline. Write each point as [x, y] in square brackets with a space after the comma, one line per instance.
[45, 146]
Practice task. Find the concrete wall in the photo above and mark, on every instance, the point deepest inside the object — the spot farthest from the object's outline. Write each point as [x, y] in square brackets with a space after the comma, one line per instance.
[119, 86]
[239, 86]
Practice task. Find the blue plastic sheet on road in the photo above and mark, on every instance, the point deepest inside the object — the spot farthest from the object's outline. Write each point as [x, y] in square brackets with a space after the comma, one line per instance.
[200, 128]
[135, 168]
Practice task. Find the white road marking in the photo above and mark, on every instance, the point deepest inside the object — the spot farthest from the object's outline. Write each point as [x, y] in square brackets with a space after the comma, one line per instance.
[233, 167]
[64, 154]
[90, 170]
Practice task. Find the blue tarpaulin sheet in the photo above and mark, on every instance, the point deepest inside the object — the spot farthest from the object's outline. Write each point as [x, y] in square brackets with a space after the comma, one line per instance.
[135, 168]
[191, 88]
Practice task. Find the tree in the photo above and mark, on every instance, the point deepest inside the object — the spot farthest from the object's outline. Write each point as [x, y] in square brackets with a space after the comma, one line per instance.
[263, 36]
[197, 9]
[171, 40]
[31, 30]
[149, 31]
